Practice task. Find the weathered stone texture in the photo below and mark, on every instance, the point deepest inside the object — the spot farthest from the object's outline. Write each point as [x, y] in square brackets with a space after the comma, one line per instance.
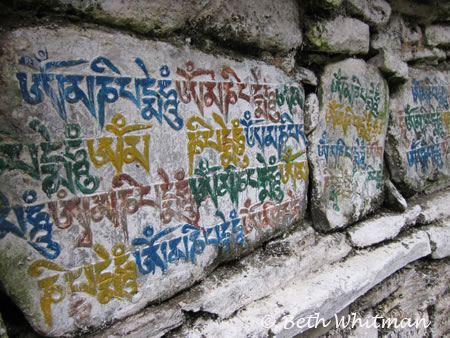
[328, 292]
[300, 250]
[418, 142]
[418, 292]
[306, 76]
[404, 41]
[382, 228]
[440, 239]
[270, 25]
[438, 35]
[416, 281]
[346, 146]
[129, 173]
[158, 17]
[390, 65]
[423, 12]
[311, 113]
[155, 159]
[341, 35]
[434, 208]
[374, 12]
[152, 322]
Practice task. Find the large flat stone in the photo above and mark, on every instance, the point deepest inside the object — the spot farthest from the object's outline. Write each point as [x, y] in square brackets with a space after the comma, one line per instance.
[266, 25]
[382, 228]
[284, 261]
[346, 146]
[341, 35]
[269, 25]
[327, 292]
[418, 134]
[129, 173]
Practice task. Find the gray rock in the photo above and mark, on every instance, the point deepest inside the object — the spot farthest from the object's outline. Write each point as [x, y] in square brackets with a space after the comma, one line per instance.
[391, 65]
[374, 12]
[396, 36]
[423, 12]
[341, 35]
[438, 35]
[123, 150]
[327, 293]
[440, 239]
[425, 55]
[382, 228]
[311, 113]
[417, 144]
[267, 24]
[157, 17]
[404, 41]
[393, 199]
[306, 75]
[346, 147]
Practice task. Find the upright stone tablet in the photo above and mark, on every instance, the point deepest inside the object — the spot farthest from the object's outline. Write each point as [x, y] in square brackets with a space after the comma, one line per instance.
[418, 143]
[131, 168]
[346, 146]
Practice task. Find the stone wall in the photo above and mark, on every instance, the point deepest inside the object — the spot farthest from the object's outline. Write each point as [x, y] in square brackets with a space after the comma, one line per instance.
[211, 168]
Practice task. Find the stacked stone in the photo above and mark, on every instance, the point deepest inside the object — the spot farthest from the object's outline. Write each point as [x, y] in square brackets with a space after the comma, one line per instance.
[144, 144]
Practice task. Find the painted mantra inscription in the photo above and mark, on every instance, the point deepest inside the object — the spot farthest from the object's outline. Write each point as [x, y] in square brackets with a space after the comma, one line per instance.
[427, 123]
[350, 146]
[145, 168]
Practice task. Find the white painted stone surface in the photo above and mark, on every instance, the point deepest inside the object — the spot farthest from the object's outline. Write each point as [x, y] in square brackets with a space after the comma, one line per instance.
[341, 35]
[374, 12]
[151, 322]
[285, 261]
[381, 228]
[440, 239]
[346, 147]
[418, 134]
[327, 292]
[119, 153]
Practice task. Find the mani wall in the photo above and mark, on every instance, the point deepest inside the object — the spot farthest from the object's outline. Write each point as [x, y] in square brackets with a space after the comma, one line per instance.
[192, 167]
